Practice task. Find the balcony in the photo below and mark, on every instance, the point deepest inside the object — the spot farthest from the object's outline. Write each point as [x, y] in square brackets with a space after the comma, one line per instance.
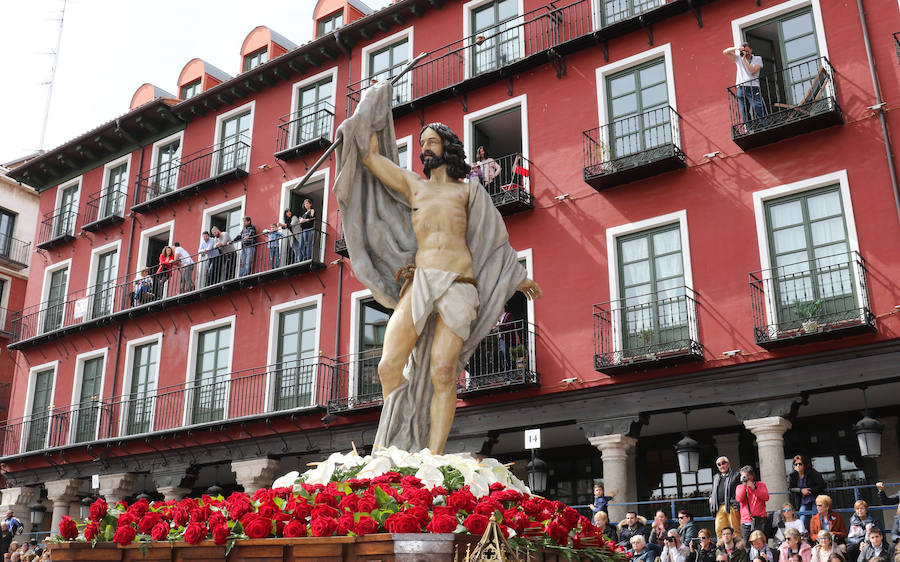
[510, 183]
[136, 294]
[304, 131]
[789, 102]
[14, 253]
[263, 392]
[632, 148]
[6, 317]
[810, 301]
[211, 166]
[57, 227]
[646, 332]
[356, 386]
[103, 209]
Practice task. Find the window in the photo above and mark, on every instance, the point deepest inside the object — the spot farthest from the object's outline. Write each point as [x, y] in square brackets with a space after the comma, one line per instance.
[39, 424]
[211, 370]
[56, 299]
[66, 211]
[638, 111]
[810, 252]
[104, 284]
[190, 89]
[295, 374]
[234, 138]
[144, 369]
[330, 23]
[7, 222]
[256, 58]
[113, 196]
[386, 62]
[614, 11]
[495, 37]
[229, 220]
[166, 166]
[373, 319]
[88, 412]
[315, 111]
[403, 156]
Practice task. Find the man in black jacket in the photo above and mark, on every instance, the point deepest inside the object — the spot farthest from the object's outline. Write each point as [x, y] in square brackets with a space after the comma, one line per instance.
[722, 503]
[884, 498]
[632, 525]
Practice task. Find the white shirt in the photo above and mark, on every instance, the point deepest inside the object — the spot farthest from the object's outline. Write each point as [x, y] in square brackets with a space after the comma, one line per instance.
[744, 78]
[672, 554]
[182, 255]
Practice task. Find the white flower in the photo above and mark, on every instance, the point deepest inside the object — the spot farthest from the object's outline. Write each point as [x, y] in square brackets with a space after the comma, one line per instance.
[286, 480]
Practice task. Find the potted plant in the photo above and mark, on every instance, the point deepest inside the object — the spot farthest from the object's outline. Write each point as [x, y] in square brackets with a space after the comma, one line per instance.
[807, 311]
[518, 355]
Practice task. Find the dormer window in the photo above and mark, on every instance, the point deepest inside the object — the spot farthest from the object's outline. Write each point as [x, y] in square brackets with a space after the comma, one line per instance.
[256, 58]
[330, 23]
[190, 89]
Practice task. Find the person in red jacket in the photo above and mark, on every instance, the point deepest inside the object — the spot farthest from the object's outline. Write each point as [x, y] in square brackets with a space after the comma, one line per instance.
[828, 520]
[752, 497]
[167, 265]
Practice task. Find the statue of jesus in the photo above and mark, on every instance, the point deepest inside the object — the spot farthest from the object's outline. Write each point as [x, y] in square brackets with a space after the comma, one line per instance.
[440, 299]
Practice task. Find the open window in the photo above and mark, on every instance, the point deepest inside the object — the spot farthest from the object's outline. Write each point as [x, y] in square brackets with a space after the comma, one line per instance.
[303, 242]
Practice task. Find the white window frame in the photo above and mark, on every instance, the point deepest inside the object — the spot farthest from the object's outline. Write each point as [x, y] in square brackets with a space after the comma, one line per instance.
[356, 298]
[145, 238]
[407, 141]
[469, 118]
[106, 169]
[77, 383]
[209, 212]
[468, 8]
[5, 291]
[76, 203]
[664, 51]
[295, 98]
[760, 16]
[154, 152]
[214, 164]
[365, 75]
[92, 272]
[271, 354]
[597, 13]
[130, 345]
[29, 401]
[45, 290]
[229, 321]
[761, 197]
[612, 257]
[323, 175]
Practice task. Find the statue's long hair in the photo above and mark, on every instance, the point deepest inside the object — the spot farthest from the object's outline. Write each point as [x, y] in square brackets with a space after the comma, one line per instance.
[454, 154]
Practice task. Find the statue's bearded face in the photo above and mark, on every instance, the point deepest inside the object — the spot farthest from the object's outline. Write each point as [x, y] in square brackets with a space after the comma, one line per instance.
[432, 149]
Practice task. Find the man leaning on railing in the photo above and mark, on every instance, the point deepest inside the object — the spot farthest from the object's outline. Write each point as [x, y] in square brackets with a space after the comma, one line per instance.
[748, 93]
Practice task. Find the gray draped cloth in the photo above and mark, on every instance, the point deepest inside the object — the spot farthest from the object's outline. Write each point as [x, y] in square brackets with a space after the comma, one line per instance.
[377, 224]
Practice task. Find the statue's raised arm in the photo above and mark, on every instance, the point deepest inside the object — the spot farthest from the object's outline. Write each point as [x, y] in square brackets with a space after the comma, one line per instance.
[386, 170]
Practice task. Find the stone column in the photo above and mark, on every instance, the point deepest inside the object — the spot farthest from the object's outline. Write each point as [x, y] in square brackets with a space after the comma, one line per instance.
[769, 432]
[116, 487]
[18, 500]
[173, 492]
[175, 481]
[615, 450]
[254, 474]
[728, 445]
[62, 493]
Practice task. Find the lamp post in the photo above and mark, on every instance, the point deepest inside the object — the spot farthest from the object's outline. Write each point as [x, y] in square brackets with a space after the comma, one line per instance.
[37, 516]
[86, 502]
[688, 451]
[868, 432]
[537, 474]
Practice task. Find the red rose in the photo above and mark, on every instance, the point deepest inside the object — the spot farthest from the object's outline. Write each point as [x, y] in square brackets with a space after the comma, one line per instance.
[126, 519]
[216, 518]
[461, 500]
[180, 516]
[358, 484]
[139, 509]
[443, 510]
[125, 535]
[558, 532]
[149, 521]
[476, 523]
[507, 496]
[220, 534]
[294, 529]
[160, 531]
[98, 510]
[67, 528]
[268, 509]
[325, 498]
[284, 492]
[345, 523]
[402, 523]
[388, 478]
[324, 511]
[570, 516]
[531, 506]
[366, 526]
[420, 513]
[194, 533]
[200, 514]
[420, 497]
[258, 527]
[367, 503]
[323, 526]
[91, 531]
[487, 507]
[496, 487]
[349, 503]
[442, 523]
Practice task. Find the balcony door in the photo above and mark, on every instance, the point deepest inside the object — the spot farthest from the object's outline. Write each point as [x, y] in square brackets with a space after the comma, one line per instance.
[104, 284]
[211, 375]
[56, 299]
[372, 326]
[7, 221]
[614, 11]
[113, 196]
[39, 425]
[234, 137]
[167, 162]
[144, 369]
[653, 308]
[639, 116]
[315, 112]
[89, 400]
[387, 62]
[813, 270]
[64, 224]
[296, 370]
[495, 36]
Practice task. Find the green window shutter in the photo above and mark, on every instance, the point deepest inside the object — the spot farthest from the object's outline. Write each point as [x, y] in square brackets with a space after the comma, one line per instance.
[143, 377]
[104, 284]
[39, 425]
[89, 400]
[56, 300]
[638, 109]
[296, 369]
[372, 326]
[211, 374]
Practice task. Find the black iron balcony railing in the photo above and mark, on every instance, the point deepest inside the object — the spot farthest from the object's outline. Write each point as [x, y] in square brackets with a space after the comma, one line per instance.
[508, 181]
[788, 102]
[6, 317]
[154, 289]
[14, 253]
[238, 396]
[646, 331]
[633, 148]
[615, 11]
[207, 167]
[340, 245]
[801, 302]
[356, 385]
[57, 227]
[103, 208]
[304, 131]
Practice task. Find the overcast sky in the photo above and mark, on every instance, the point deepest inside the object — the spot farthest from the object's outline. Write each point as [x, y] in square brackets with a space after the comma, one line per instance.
[110, 47]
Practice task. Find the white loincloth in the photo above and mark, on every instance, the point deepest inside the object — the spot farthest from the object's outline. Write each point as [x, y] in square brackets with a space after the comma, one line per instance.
[436, 290]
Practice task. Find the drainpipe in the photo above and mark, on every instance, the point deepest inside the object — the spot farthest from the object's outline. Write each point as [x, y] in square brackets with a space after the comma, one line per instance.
[879, 106]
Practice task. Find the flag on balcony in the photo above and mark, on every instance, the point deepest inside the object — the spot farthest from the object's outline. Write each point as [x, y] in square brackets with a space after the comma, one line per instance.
[519, 173]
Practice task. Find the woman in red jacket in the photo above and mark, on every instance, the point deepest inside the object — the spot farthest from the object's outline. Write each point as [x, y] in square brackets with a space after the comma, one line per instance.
[752, 496]
[827, 520]
[167, 263]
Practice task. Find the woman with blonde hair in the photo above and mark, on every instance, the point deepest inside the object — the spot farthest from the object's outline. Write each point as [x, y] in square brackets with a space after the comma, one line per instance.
[827, 520]
[792, 545]
[759, 547]
[825, 547]
[787, 520]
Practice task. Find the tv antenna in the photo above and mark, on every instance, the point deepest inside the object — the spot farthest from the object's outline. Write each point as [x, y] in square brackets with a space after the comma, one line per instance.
[55, 53]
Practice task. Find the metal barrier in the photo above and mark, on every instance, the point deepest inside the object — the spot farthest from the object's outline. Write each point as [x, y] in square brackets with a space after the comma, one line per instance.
[307, 125]
[501, 361]
[104, 205]
[14, 252]
[57, 226]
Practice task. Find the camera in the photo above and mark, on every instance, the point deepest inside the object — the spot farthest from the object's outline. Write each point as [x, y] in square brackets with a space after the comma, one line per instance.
[744, 478]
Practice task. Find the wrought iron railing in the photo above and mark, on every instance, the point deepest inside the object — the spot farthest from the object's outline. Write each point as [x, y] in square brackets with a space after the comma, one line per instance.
[785, 96]
[14, 251]
[503, 359]
[194, 170]
[104, 205]
[153, 287]
[356, 384]
[646, 329]
[809, 298]
[310, 123]
[507, 179]
[632, 142]
[57, 225]
[507, 42]
[281, 387]
[6, 317]
[615, 11]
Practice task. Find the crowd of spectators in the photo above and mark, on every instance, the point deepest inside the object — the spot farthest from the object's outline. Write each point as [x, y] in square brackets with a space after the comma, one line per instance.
[13, 544]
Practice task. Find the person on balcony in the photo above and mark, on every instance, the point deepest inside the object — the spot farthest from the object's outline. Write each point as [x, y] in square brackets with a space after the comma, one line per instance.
[732, 545]
[167, 264]
[274, 244]
[752, 497]
[861, 524]
[224, 262]
[508, 340]
[292, 225]
[186, 262]
[601, 500]
[485, 168]
[827, 520]
[207, 252]
[884, 498]
[804, 484]
[722, 503]
[748, 93]
[248, 246]
[307, 224]
[142, 288]
[825, 547]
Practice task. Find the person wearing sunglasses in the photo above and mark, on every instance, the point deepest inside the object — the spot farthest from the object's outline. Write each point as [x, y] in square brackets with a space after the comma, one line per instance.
[828, 520]
[702, 548]
[722, 503]
[787, 520]
[793, 546]
[804, 484]
[686, 526]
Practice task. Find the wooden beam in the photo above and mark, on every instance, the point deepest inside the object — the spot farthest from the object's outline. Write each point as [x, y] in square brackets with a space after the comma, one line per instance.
[295, 66]
[222, 100]
[146, 125]
[309, 60]
[416, 11]
[105, 143]
[49, 170]
[382, 26]
[62, 159]
[212, 104]
[249, 86]
[398, 19]
[167, 114]
[326, 53]
[86, 152]
[365, 33]
[238, 95]
[265, 80]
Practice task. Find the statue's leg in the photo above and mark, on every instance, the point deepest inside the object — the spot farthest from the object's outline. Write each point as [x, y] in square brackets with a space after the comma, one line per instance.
[399, 339]
[444, 360]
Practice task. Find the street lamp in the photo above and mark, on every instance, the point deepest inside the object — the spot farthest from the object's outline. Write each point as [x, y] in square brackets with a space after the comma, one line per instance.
[868, 432]
[86, 502]
[37, 515]
[537, 474]
[688, 451]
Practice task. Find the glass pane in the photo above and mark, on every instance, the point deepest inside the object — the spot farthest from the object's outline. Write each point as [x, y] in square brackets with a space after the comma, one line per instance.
[653, 74]
[823, 464]
[635, 273]
[798, 25]
[622, 85]
[665, 242]
[653, 96]
[668, 266]
[824, 205]
[826, 231]
[801, 48]
[789, 239]
[484, 18]
[635, 249]
[785, 214]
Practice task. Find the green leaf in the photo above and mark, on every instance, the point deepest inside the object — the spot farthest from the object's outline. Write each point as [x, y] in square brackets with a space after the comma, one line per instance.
[228, 546]
[143, 548]
[279, 502]
[237, 528]
[385, 500]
